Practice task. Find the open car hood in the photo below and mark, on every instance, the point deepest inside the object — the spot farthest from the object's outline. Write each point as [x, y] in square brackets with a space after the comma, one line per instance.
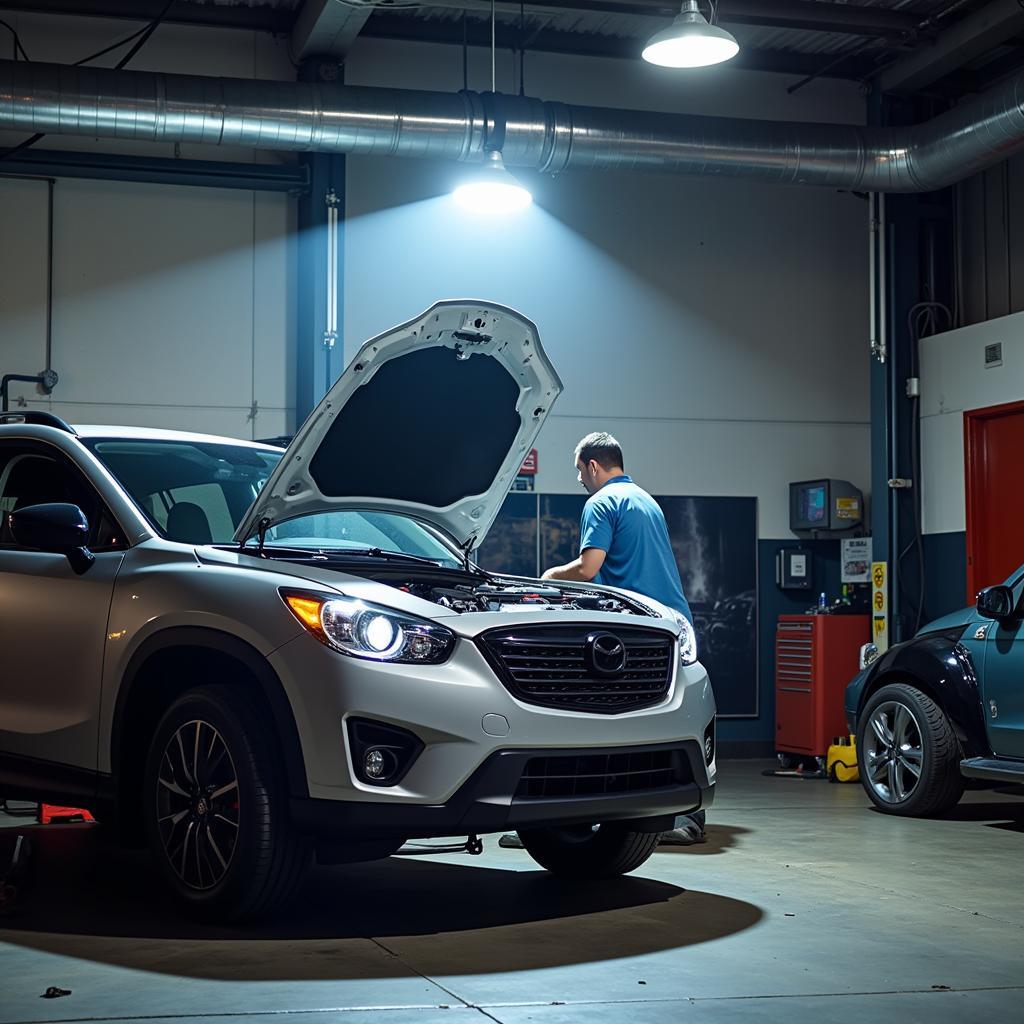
[431, 419]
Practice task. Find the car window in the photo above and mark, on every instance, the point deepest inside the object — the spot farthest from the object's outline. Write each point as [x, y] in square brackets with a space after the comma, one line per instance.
[210, 498]
[194, 492]
[33, 476]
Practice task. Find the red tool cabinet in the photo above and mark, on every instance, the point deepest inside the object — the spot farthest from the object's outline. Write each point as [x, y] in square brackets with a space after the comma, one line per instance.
[815, 657]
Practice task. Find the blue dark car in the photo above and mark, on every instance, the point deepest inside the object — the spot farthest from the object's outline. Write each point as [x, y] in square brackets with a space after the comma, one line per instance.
[944, 707]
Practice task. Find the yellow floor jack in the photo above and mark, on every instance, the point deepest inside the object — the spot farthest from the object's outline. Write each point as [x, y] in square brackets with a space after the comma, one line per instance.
[841, 762]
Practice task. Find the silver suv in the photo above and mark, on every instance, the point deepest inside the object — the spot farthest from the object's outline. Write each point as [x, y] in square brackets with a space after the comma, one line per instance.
[252, 657]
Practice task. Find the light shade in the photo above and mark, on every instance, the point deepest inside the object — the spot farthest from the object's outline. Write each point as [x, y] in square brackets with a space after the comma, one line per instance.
[690, 42]
[492, 189]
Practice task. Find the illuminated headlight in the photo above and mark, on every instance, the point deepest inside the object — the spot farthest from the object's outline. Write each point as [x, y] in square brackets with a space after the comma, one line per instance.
[368, 631]
[687, 640]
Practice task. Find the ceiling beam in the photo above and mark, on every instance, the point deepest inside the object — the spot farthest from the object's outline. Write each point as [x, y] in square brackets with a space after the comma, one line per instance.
[260, 19]
[974, 36]
[326, 28]
[817, 16]
[808, 15]
[393, 25]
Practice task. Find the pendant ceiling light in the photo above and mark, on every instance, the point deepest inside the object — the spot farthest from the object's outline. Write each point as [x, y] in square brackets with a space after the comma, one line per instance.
[690, 42]
[491, 189]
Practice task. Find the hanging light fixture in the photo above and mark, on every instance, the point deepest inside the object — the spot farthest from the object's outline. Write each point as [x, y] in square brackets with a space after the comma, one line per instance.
[690, 42]
[491, 189]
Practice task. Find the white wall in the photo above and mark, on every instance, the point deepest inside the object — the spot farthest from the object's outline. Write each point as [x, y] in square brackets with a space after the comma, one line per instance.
[954, 380]
[172, 306]
[716, 327]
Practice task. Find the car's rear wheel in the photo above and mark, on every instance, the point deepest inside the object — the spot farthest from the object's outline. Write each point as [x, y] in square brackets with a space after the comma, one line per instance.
[908, 753]
[589, 851]
[215, 807]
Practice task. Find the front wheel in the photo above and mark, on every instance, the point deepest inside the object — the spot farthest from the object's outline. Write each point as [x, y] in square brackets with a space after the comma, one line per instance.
[589, 851]
[215, 807]
[908, 753]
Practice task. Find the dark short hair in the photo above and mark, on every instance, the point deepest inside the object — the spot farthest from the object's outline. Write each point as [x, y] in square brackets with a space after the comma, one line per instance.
[602, 448]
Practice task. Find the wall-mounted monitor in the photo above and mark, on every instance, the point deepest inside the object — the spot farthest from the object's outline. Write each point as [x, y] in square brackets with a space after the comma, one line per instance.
[825, 506]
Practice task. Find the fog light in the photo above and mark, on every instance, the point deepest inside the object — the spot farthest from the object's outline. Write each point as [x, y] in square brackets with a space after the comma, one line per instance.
[381, 754]
[373, 765]
[378, 764]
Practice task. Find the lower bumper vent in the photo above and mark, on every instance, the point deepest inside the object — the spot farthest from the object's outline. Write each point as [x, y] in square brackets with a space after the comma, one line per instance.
[590, 775]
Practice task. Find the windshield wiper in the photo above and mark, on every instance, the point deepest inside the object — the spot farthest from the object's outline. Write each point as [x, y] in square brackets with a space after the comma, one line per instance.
[390, 556]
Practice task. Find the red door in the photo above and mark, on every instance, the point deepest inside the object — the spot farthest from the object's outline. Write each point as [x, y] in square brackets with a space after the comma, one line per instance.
[994, 451]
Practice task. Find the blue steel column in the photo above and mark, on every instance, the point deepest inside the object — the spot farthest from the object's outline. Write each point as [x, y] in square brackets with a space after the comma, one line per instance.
[915, 265]
[880, 332]
[319, 355]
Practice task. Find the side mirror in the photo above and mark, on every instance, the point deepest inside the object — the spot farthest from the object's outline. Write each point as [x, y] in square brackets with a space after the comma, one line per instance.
[868, 655]
[996, 603]
[59, 528]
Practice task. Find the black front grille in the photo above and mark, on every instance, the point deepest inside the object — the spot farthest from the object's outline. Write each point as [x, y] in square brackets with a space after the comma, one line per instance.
[590, 775]
[547, 665]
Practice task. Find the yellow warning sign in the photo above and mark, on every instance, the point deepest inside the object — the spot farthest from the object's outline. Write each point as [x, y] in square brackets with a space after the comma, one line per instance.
[880, 629]
[880, 604]
[847, 508]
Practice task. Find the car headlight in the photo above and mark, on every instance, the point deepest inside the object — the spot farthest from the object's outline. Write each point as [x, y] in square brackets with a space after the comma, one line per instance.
[369, 631]
[687, 640]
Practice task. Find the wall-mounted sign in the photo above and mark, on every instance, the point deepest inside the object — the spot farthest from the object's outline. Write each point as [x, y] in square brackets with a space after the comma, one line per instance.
[856, 560]
[880, 605]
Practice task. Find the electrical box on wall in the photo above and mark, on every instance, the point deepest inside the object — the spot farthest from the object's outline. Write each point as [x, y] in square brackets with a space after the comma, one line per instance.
[824, 508]
[793, 569]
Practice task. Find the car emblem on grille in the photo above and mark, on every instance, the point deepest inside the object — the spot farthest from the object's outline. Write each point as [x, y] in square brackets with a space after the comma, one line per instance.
[605, 654]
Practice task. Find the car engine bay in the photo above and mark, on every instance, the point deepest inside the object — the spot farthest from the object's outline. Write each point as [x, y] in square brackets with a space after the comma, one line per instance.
[497, 594]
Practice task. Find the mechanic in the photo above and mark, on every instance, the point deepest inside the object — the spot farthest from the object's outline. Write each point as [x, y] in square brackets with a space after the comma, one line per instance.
[624, 543]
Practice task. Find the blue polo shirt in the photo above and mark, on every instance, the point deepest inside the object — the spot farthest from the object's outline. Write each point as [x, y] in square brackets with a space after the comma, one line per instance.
[625, 522]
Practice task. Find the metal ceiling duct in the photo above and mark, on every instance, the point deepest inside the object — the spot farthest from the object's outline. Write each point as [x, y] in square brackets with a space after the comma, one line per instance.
[552, 137]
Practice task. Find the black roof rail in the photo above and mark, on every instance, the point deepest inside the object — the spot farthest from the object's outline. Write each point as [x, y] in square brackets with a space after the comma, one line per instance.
[281, 441]
[36, 419]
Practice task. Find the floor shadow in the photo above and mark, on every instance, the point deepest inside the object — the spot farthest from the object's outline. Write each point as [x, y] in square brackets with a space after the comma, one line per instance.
[91, 900]
[717, 839]
[1008, 816]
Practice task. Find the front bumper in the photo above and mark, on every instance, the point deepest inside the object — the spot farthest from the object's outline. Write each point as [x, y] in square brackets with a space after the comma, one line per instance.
[488, 801]
[448, 708]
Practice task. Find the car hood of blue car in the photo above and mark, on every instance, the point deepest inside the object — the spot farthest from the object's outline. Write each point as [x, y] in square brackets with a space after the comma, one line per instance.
[954, 620]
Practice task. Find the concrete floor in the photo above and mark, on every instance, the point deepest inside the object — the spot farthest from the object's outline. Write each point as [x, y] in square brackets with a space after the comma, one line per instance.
[804, 905]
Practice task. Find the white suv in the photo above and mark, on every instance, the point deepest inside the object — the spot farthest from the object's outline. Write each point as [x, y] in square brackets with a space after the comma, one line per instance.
[252, 657]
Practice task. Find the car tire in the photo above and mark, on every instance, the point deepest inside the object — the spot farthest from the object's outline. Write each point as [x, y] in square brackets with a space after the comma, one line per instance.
[908, 754]
[588, 852]
[215, 807]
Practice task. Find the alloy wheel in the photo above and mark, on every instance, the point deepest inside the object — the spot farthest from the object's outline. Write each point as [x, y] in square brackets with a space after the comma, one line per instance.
[197, 804]
[893, 754]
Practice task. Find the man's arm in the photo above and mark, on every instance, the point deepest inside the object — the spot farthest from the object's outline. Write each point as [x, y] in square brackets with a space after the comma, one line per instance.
[582, 569]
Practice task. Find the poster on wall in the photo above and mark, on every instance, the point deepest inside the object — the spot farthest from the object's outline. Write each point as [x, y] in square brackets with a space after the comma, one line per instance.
[715, 545]
[511, 544]
[856, 560]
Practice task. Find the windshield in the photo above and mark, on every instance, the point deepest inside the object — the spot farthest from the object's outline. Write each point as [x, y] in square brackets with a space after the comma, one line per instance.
[198, 492]
[361, 532]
